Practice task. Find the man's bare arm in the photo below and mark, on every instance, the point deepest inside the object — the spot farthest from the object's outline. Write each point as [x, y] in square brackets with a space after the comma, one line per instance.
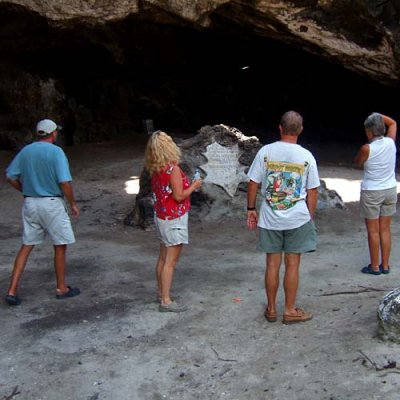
[68, 191]
[252, 217]
[312, 200]
[15, 183]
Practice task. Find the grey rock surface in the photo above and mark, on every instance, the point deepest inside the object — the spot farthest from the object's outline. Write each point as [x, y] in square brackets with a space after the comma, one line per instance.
[223, 192]
[328, 198]
[389, 316]
[362, 35]
[224, 155]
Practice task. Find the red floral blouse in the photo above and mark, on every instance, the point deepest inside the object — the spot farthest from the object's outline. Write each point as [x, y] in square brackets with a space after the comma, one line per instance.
[165, 206]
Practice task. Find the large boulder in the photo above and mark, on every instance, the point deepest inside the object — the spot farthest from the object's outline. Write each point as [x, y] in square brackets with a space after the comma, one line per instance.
[328, 198]
[224, 155]
[389, 316]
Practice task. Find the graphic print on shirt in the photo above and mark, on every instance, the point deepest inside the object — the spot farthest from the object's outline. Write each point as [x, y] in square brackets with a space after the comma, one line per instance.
[283, 183]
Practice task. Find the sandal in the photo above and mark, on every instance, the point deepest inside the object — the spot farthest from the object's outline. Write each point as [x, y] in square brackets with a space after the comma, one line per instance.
[13, 300]
[384, 271]
[72, 292]
[270, 316]
[301, 316]
[173, 307]
[368, 270]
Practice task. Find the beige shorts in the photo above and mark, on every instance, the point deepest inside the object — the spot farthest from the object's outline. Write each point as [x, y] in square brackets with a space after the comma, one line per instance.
[173, 232]
[378, 203]
[44, 216]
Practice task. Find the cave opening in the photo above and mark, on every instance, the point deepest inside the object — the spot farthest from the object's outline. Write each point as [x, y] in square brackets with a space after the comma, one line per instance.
[103, 81]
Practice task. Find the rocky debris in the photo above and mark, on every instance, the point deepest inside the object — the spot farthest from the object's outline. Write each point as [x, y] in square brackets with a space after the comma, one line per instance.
[223, 154]
[389, 316]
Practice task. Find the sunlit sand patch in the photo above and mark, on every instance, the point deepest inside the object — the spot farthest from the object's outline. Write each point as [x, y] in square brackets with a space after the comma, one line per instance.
[348, 189]
[132, 186]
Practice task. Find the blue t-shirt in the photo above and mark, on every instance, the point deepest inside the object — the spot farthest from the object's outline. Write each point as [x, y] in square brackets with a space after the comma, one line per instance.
[40, 167]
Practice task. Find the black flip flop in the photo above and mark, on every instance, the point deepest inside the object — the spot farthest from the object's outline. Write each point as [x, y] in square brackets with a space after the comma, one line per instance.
[368, 270]
[13, 300]
[384, 271]
[72, 292]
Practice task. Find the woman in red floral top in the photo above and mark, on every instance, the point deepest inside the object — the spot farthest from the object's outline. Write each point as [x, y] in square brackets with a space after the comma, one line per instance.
[171, 191]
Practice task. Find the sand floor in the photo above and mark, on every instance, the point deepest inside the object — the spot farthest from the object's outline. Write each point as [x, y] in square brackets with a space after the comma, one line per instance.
[112, 343]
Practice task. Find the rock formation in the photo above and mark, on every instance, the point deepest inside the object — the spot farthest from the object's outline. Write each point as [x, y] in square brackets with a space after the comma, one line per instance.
[389, 316]
[328, 198]
[101, 67]
[362, 35]
[224, 155]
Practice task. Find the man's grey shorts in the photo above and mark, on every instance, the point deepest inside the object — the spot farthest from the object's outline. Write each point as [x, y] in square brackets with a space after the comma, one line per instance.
[46, 215]
[173, 232]
[378, 203]
[299, 240]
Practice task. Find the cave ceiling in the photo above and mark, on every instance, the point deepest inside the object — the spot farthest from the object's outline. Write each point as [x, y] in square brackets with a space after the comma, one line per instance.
[182, 61]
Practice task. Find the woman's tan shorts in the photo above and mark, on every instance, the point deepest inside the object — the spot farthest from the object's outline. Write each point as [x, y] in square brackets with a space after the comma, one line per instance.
[378, 203]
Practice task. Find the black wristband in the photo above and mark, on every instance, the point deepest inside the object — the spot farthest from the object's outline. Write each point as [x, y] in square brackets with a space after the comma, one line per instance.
[251, 208]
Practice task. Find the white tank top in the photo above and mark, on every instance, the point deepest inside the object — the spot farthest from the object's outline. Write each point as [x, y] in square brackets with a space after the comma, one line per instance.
[379, 169]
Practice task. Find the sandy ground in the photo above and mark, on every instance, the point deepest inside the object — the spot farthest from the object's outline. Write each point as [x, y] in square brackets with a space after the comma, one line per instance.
[112, 343]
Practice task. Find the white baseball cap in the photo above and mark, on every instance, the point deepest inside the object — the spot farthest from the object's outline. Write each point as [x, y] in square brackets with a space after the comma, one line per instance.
[46, 126]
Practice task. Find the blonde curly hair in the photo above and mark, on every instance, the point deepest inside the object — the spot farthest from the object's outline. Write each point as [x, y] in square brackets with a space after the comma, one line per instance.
[161, 150]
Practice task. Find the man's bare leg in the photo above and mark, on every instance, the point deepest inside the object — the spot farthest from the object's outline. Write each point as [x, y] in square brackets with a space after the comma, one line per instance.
[273, 263]
[291, 282]
[59, 266]
[19, 267]
[63, 291]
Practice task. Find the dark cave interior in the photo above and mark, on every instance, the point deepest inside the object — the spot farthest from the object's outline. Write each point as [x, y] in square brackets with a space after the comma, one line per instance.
[109, 78]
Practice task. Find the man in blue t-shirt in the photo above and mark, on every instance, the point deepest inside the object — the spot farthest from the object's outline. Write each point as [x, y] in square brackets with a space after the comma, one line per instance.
[41, 172]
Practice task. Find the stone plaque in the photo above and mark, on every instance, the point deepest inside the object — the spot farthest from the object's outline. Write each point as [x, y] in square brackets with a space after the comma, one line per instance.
[223, 167]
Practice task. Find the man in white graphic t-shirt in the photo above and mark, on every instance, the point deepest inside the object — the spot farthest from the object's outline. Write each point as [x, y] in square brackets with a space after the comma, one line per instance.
[289, 179]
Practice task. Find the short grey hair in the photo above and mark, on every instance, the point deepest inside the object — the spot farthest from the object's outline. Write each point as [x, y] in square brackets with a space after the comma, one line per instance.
[291, 123]
[375, 124]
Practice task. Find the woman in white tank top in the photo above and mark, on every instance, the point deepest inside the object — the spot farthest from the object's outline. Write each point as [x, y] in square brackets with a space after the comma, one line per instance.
[378, 189]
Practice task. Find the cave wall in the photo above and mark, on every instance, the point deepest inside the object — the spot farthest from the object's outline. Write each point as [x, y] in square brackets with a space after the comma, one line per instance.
[185, 67]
